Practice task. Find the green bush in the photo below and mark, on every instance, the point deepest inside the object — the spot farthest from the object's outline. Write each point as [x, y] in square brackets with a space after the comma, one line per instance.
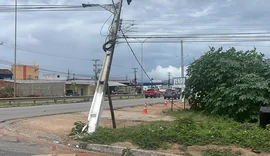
[231, 83]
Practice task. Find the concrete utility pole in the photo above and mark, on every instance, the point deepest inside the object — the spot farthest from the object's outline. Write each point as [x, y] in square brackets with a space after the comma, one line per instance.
[96, 69]
[15, 53]
[108, 47]
[169, 79]
[68, 75]
[182, 60]
[135, 76]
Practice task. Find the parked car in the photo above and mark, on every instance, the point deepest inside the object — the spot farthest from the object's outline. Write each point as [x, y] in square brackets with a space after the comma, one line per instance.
[171, 94]
[152, 93]
[119, 92]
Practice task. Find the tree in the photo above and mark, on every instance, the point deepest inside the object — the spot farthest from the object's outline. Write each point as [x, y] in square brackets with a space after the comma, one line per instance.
[231, 83]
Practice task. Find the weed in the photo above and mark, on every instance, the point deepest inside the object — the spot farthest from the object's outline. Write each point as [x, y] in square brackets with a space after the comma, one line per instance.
[220, 152]
[189, 128]
[127, 152]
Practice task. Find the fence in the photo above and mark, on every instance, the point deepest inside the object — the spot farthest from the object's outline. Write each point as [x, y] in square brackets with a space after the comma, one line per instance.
[63, 98]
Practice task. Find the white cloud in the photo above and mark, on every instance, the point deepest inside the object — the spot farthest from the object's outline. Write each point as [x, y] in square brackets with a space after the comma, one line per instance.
[161, 73]
[204, 12]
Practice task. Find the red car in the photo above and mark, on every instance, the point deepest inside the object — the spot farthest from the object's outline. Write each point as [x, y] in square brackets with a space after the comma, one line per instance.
[152, 93]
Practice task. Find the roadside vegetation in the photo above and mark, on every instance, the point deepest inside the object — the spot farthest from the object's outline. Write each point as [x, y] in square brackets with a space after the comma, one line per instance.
[229, 83]
[218, 152]
[189, 128]
[225, 90]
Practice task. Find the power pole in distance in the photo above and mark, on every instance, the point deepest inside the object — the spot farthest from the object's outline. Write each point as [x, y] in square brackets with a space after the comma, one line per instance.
[135, 76]
[182, 60]
[68, 75]
[169, 79]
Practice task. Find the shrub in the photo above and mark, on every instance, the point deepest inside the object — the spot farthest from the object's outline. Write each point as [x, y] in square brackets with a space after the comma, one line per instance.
[231, 83]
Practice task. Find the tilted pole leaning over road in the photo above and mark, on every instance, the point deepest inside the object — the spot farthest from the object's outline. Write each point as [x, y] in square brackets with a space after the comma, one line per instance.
[96, 107]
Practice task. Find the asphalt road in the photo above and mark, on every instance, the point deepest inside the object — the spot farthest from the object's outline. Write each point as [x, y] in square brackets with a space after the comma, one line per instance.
[9, 148]
[34, 111]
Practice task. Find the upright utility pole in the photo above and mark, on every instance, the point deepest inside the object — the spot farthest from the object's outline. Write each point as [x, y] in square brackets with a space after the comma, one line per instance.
[135, 76]
[169, 80]
[182, 60]
[15, 52]
[96, 69]
[96, 107]
[68, 75]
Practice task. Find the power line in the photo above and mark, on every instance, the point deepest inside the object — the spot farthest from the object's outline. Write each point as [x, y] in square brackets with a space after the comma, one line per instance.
[9, 63]
[27, 8]
[134, 54]
[42, 53]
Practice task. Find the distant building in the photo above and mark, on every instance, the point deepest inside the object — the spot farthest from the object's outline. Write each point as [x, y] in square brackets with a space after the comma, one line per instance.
[5, 74]
[26, 72]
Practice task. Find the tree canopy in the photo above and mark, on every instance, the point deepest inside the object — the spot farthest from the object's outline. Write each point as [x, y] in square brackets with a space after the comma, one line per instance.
[229, 83]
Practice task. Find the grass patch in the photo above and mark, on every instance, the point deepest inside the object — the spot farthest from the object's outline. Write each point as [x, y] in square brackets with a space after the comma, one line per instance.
[220, 152]
[189, 128]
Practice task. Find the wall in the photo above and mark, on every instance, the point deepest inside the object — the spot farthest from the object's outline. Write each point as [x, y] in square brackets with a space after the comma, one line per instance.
[5, 84]
[42, 89]
[26, 72]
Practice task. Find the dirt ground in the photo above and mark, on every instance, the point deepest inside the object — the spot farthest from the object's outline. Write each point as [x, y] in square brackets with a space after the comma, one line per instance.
[44, 132]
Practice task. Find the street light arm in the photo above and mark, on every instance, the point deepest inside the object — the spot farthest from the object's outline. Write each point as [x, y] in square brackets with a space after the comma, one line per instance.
[1, 43]
[108, 7]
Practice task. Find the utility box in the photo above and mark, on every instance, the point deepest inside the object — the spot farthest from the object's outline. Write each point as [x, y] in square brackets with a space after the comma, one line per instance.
[264, 116]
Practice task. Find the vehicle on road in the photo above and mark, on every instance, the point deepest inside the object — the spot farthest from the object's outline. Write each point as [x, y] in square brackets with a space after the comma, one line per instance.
[71, 93]
[152, 93]
[119, 92]
[172, 94]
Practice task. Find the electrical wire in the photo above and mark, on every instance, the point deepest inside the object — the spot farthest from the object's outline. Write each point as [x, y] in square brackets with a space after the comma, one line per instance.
[100, 32]
[42, 53]
[135, 55]
[9, 8]
[9, 63]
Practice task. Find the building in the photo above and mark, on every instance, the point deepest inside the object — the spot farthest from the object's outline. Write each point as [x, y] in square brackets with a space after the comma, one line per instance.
[5, 74]
[48, 88]
[26, 72]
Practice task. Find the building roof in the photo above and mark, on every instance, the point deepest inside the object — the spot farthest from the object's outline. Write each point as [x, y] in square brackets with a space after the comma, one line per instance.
[35, 81]
[92, 82]
[5, 72]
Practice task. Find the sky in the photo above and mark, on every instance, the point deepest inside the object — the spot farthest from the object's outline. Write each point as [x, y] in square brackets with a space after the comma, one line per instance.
[62, 41]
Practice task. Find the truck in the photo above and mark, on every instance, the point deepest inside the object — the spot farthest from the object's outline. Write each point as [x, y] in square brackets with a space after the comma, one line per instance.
[152, 93]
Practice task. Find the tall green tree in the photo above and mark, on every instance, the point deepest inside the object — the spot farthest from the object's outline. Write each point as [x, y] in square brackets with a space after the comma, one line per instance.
[230, 83]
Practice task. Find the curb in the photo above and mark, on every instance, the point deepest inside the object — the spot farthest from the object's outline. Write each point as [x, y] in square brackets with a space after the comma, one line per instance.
[119, 150]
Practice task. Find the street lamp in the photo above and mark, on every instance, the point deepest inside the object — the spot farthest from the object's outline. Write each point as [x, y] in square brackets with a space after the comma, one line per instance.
[15, 50]
[141, 61]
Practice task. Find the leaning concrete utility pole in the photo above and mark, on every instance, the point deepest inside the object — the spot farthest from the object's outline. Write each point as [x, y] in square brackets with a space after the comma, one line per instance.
[108, 47]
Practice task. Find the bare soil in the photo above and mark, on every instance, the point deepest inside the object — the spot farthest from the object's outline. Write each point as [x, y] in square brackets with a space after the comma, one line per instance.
[44, 132]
